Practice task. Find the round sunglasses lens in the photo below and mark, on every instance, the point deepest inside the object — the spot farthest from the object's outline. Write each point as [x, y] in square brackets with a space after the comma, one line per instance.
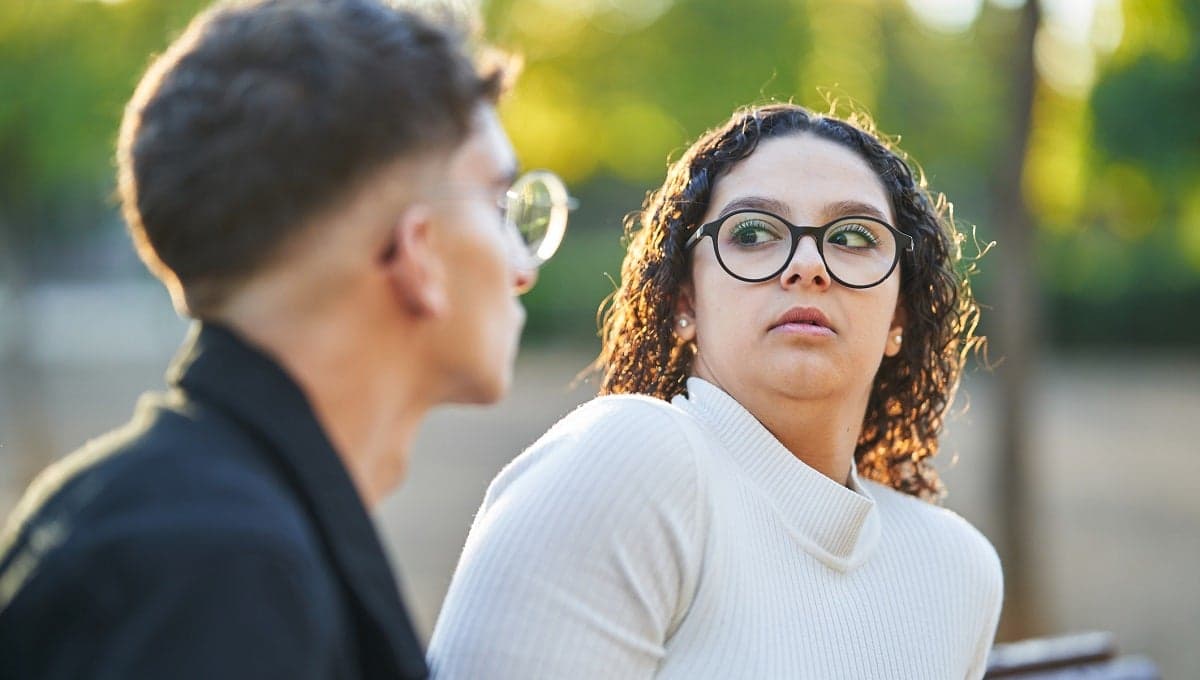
[537, 207]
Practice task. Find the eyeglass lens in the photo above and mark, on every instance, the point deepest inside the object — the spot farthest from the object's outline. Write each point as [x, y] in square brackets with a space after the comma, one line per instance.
[537, 206]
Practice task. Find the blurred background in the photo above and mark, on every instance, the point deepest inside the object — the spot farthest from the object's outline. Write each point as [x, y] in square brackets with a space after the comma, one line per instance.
[1065, 131]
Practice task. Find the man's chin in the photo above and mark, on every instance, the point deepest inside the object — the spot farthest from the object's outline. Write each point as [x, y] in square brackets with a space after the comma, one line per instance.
[486, 391]
[493, 394]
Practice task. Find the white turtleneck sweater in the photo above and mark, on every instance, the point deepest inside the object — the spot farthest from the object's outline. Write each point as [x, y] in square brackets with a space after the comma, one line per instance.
[642, 539]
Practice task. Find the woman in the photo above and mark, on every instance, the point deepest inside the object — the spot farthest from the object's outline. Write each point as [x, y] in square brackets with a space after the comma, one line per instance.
[750, 497]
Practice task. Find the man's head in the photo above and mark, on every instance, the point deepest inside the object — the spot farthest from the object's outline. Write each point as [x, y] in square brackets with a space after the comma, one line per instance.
[337, 160]
[264, 113]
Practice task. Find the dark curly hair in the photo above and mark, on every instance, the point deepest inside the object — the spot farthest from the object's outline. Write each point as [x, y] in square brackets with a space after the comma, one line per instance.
[912, 391]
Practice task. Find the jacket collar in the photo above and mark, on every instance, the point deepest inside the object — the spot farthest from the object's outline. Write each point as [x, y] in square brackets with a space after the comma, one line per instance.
[218, 367]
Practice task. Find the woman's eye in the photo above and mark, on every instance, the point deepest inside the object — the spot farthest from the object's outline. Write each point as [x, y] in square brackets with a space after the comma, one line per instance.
[753, 232]
[853, 236]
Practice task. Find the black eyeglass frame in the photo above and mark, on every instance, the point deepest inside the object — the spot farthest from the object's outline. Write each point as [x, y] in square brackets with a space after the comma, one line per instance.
[712, 229]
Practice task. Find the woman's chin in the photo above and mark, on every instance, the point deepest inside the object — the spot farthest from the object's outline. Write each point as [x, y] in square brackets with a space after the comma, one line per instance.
[803, 380]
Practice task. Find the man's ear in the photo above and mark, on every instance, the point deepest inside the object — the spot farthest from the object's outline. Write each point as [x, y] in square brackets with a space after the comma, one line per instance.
[896, 331]
[685, 313]
[413, 266]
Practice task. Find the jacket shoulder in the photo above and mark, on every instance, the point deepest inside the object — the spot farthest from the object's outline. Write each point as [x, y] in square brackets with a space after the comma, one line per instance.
[176, 475]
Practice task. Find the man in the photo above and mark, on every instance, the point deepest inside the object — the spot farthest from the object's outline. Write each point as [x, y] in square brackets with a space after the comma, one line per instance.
[316, 183]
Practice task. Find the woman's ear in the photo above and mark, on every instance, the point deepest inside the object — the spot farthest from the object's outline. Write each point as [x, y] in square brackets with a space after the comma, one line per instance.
[896, 332]
[413, 267]
[685, 313]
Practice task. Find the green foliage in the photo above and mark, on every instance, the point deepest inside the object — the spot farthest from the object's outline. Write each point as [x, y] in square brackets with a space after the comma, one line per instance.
[66, 69]
[603, 95]
[614, 88]
[1146, 114]
[564, 303]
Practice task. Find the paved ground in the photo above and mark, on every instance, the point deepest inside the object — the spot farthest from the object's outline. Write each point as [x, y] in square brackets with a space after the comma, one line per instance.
[1116, 490]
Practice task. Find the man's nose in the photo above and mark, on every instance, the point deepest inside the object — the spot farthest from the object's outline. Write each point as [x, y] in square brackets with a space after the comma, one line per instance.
[806, 265]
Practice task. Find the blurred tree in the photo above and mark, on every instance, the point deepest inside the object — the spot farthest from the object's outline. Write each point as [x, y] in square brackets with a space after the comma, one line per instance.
[66, 68]
[1113, 176]
[614, 87]
[1016, 334]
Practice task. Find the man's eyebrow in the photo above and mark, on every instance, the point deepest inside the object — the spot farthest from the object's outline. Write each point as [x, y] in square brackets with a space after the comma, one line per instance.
[833, 211]
[756, 203]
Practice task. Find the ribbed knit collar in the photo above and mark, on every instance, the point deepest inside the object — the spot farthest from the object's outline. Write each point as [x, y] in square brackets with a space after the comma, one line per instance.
[838, 525]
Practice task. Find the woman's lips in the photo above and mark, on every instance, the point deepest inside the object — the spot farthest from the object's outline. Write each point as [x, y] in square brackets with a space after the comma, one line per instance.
[803, 328]
[807, 321]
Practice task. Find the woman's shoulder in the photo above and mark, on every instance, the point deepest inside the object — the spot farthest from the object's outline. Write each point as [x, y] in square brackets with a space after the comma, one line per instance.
[624, 424]
[614, 440]
[634, 410]
[934, 523]
[948, 548]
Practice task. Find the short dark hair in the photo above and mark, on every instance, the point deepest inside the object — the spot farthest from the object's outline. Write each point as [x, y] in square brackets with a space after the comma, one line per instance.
[912, 391]
[264, 112]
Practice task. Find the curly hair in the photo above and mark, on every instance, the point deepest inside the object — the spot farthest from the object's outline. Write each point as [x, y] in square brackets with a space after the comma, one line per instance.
[912, 391]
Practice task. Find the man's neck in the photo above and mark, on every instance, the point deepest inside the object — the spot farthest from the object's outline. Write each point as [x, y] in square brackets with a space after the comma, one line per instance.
[369, 413]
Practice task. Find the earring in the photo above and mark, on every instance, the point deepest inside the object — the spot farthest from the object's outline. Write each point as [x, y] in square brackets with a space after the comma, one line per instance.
[683, 323]
[898, 338]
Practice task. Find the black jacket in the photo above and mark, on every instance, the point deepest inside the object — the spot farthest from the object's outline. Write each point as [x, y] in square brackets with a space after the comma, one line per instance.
[217, 535]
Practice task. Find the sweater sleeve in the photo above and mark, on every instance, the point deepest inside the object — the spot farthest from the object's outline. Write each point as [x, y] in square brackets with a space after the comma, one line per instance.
[993, 604]
[584, 555]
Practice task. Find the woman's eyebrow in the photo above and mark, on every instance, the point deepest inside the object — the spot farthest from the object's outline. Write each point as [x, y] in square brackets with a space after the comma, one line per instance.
[842, 208]
[831, 211]
[756, 203]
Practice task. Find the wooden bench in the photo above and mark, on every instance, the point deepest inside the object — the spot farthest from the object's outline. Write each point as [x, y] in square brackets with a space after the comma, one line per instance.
[1083, 656]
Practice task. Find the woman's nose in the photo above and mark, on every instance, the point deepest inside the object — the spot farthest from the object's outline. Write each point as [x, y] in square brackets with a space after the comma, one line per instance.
[806, 266]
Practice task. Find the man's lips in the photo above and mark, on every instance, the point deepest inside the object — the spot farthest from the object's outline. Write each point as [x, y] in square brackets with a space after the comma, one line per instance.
[804, 320]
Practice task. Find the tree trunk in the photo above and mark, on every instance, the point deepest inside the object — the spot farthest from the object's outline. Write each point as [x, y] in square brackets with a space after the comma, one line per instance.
[26, 444]
[1015, 335]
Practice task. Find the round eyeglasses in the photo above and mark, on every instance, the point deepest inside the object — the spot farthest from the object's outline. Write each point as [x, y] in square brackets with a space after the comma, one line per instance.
[755, 246]
[536, 207]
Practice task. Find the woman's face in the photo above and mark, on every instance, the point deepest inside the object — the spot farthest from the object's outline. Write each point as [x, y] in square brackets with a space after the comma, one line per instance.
[838, 336]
